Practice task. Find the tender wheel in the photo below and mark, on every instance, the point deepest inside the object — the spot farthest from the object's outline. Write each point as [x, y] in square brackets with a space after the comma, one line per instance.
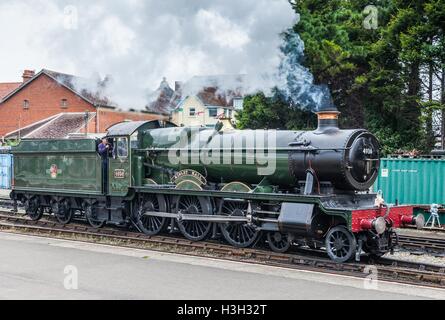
[192, 229]
[91, 216]
[62, 211]
[278, 241]
[239, 234]
[340, 244]
[149, 224]
[33, 209]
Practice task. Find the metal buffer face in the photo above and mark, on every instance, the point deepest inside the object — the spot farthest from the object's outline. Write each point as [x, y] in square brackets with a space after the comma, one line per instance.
[239, 234]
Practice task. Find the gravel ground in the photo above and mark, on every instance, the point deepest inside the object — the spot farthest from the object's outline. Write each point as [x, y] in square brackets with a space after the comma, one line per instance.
[412, 256]
[423, 258]
[422, 233]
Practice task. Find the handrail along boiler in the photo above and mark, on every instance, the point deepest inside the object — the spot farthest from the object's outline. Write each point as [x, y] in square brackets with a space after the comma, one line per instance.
[318, 195]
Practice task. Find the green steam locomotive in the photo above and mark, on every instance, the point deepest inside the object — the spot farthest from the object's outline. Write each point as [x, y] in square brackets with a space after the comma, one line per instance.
[283, 188]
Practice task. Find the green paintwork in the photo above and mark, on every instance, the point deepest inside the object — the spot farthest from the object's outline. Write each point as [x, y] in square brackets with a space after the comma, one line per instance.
[412, 181]
[137, 169]
[236, 186]
[263, 187]
[427, 215]
[49, 146]
[63, 166]
[161, 142]
[119, 174]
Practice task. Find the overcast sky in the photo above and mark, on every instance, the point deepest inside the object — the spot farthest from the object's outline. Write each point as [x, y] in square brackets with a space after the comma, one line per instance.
[140, 41]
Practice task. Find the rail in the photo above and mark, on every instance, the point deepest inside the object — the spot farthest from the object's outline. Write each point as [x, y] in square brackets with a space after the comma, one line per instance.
[388, 269]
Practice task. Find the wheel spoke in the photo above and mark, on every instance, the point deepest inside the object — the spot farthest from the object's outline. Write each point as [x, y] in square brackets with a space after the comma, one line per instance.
[278, 242]
[340, 244]
[193, 229]
[237, 233]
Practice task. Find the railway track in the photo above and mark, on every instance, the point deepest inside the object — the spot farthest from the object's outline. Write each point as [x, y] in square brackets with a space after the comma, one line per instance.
[387, 269]
[411, 243]
[419, 244]
[423, 244]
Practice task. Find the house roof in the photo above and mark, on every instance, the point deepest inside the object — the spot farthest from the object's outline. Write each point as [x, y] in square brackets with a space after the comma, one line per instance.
[216, 90]
[162, 98]
[212, 91]
[74, 84]
[8, 87]
[211, 96]
[59, 126]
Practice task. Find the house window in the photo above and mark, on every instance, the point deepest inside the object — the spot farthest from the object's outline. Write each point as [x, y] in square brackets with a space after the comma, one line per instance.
[192, 112]
[213, 112]
[25, 104]
[64, 103]
[238, 103]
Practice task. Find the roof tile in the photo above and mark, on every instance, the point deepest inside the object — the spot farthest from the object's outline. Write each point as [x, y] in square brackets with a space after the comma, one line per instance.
[8, 87]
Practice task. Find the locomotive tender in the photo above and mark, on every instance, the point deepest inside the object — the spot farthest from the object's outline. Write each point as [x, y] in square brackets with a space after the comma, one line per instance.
[212, 182]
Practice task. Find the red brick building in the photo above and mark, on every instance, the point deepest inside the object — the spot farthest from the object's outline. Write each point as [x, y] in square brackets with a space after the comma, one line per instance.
[46, 94]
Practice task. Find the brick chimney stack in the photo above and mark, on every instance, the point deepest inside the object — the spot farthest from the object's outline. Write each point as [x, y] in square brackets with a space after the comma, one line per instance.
[27, 75]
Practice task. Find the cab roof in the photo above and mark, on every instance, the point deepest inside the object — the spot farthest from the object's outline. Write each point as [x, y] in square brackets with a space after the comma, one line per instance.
[127, 128]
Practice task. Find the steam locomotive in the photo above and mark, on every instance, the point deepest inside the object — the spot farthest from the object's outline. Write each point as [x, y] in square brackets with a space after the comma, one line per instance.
[284, 187]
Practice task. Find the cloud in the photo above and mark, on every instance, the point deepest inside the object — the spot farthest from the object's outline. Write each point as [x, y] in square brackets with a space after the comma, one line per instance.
[221, 31]
[138, 42]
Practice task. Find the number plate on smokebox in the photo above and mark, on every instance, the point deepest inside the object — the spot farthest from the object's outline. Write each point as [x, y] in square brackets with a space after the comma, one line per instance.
[119, 174]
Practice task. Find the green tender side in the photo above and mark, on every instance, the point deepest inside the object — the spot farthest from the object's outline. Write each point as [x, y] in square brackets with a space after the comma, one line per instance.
[62, 166]
[419, 181]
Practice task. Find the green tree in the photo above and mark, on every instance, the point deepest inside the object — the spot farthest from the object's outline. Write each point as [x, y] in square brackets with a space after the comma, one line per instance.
[390, 80]
[261, 112]
[375, 75]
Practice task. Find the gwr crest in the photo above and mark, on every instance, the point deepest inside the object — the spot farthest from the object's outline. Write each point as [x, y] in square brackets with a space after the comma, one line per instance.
[54, 171]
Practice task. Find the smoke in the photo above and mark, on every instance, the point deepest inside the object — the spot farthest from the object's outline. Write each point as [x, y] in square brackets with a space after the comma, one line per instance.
[295, 81]
[134, 44]
[138, 42]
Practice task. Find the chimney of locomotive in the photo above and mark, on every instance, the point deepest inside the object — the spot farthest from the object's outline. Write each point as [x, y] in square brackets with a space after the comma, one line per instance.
[327, 116]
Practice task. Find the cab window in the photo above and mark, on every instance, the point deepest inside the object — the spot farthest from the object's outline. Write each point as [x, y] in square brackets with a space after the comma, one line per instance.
[134, 140]
[122, 147]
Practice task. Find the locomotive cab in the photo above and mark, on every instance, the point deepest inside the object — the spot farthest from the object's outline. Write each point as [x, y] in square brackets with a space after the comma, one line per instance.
[126, 166]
